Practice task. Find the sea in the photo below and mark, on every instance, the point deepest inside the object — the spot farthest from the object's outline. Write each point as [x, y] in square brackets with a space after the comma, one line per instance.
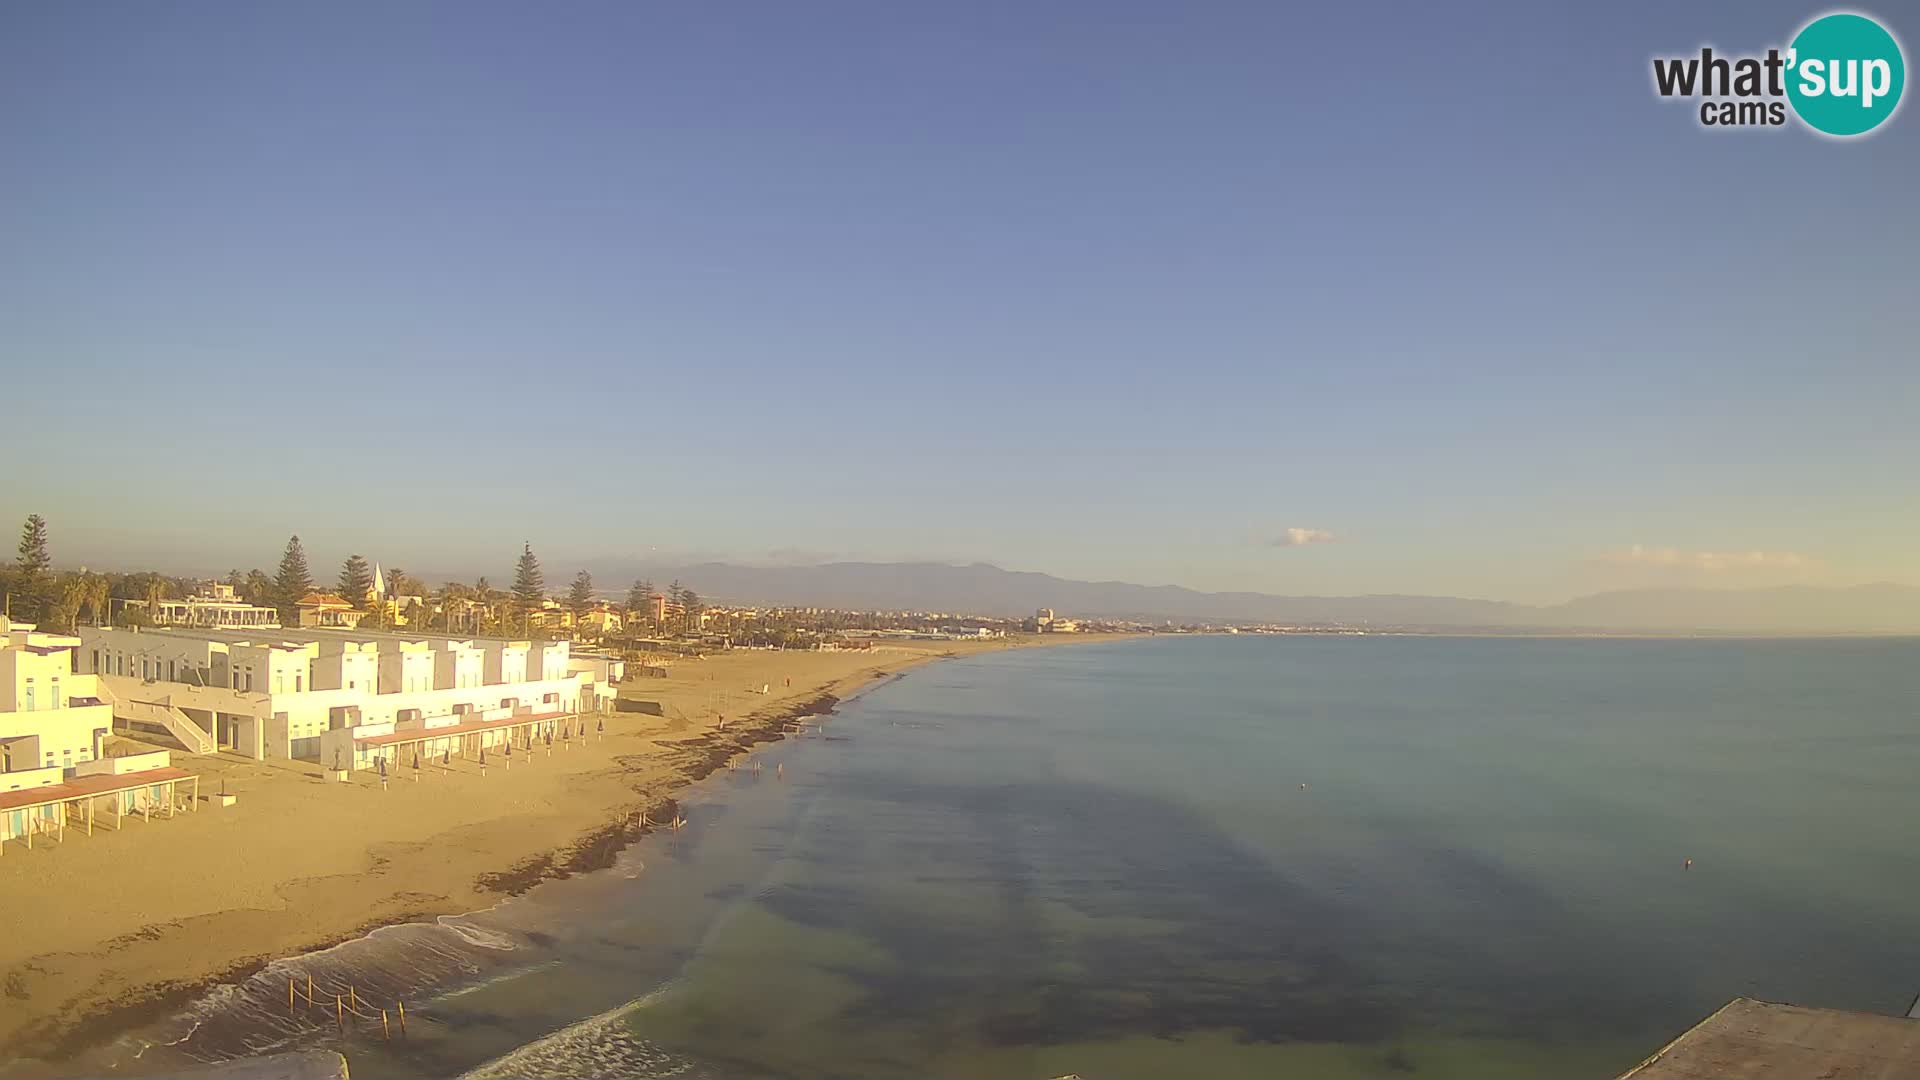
[1219, 856]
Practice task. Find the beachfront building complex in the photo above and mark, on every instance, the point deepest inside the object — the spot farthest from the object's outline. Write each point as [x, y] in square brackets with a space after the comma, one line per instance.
[279, 694]
[51, 718]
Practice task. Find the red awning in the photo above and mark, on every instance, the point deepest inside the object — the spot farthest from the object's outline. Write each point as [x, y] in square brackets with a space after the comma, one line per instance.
[467, 727]
[82, 787]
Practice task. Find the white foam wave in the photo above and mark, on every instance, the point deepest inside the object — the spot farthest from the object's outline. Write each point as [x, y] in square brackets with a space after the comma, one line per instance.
[475, 936]
[597, 1048]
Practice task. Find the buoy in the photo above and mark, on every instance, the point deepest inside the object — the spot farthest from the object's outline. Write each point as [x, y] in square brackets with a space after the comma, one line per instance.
[1689, 864]
[1303, 787]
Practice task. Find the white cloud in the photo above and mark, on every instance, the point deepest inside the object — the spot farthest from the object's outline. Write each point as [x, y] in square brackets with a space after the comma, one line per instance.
[1300, 537]
[1712, 562]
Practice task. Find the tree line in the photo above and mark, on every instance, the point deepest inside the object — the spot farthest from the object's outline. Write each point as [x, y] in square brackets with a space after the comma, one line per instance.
[61, 601]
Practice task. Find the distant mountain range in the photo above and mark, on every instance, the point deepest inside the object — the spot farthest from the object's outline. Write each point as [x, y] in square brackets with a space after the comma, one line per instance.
[989, 590]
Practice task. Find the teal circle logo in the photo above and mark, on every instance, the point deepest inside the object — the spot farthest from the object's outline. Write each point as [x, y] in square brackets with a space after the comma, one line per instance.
[1845, 73]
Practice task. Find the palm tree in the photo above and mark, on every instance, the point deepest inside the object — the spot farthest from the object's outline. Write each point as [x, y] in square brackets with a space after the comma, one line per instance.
[100, 599]
[156, 592]
[489, 599]
[454, 599]
[74, 590]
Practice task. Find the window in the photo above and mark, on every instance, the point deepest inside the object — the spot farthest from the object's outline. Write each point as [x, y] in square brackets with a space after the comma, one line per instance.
[56, 692]
[28, 707]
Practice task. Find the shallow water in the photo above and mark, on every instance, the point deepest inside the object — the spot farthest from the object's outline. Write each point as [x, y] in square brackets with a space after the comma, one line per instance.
[1103, 860]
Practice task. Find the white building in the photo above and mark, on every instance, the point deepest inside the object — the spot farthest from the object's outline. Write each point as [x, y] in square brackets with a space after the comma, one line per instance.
[276, 695]
[51, 718]
[214, 606]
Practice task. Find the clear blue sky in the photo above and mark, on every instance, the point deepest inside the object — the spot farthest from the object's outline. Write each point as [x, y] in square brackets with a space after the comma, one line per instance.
[1101, 289]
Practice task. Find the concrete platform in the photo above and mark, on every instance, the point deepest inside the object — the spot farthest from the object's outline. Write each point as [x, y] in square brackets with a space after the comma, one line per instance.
[1762, 1040]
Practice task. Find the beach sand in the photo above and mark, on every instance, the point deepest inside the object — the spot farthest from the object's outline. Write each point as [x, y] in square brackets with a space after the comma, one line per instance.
[107, 930]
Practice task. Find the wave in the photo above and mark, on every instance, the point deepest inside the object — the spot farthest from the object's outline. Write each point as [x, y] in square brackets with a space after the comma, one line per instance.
[600, 1047]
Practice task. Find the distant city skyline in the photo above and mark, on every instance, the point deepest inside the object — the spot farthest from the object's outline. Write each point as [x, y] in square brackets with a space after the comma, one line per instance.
[1165, 295]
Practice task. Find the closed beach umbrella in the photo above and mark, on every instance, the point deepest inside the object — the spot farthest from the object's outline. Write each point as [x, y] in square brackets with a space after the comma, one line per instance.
[416, 759]
[383, 767]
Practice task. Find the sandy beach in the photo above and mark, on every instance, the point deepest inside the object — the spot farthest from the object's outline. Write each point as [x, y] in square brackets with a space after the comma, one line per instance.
[107, 929]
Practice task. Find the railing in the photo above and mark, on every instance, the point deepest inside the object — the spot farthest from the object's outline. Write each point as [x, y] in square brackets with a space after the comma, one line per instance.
[191, 736]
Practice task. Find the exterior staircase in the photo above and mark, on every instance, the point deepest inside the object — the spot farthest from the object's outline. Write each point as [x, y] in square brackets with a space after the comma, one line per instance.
[147, 716]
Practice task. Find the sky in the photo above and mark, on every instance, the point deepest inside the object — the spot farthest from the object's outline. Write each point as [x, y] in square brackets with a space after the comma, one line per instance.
[1356, 299]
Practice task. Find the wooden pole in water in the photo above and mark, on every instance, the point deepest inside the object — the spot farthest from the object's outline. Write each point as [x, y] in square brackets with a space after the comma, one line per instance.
[309, 988]
[385, 1031]
[339, 1012]
[353, 1000]
[289, 995]
[403, 1019]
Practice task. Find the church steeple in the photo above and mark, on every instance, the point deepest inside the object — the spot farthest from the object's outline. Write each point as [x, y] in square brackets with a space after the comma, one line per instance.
[379, 583]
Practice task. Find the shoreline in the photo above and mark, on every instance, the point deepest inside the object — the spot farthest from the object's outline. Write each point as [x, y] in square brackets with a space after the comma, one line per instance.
[66, 1004]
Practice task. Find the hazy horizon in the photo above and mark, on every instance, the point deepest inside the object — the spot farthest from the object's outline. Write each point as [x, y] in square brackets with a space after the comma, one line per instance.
[1110, 292]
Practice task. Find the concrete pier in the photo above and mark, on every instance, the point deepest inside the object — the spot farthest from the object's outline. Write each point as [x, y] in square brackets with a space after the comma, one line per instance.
[1763, 1040]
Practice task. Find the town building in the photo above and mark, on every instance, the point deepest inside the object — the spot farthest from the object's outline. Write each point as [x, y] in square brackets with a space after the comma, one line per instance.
[318, 609]
[214, 605]
[51, 718]
[601, 620]
[659, 609]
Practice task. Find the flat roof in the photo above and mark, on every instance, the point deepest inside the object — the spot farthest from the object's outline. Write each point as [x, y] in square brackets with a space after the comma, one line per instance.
[225, 635]
[1764, 1040]
[465, 727]
[81, 787]
[363, 634]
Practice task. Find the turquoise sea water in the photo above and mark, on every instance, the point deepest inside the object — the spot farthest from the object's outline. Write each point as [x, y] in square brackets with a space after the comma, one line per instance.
[1299, 856]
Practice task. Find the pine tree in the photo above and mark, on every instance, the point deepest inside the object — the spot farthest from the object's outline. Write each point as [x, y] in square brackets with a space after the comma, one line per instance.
[529, 587]
[676, 597]
[356, 581]
[31, 583]
[34, 559]
[580, 593]
[293, 582]
[640, 597]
